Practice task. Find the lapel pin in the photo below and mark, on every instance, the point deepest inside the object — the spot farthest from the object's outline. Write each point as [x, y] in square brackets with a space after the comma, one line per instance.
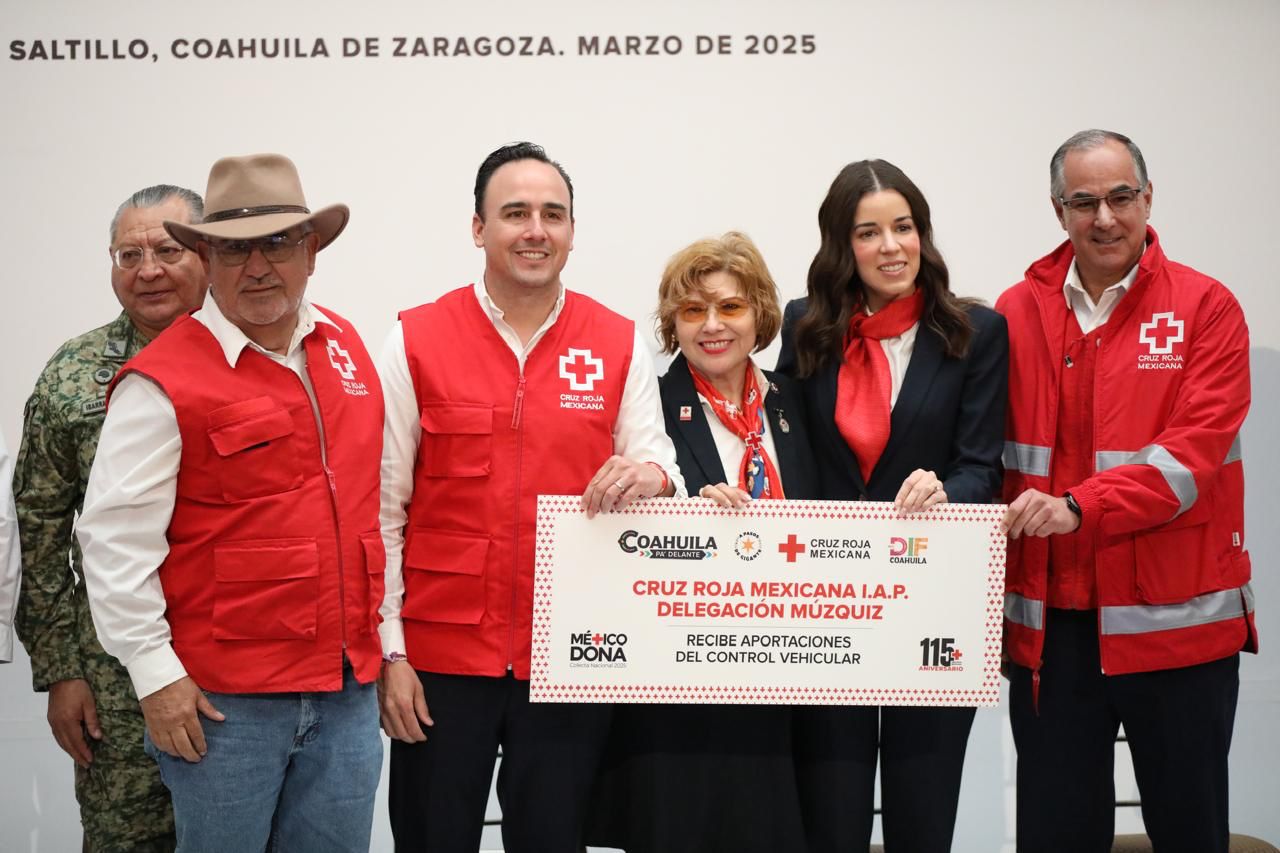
[782, 421]
[686, 413]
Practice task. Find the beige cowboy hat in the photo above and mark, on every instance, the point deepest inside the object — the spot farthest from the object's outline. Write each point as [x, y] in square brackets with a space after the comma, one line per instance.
[256, 196]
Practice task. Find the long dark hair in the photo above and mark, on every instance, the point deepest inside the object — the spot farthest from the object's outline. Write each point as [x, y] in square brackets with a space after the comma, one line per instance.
[835, 290]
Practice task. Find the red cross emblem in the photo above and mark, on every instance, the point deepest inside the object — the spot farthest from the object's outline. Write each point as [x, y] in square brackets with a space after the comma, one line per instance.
[597, 638]
[1161, 333]
[791, 548]
[340, 359]
[581, 368]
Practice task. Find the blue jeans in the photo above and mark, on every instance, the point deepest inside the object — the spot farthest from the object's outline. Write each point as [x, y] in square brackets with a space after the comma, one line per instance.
[296, 771]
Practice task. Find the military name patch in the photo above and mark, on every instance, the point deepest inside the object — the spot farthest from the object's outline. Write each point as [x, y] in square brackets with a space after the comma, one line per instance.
[94, 407]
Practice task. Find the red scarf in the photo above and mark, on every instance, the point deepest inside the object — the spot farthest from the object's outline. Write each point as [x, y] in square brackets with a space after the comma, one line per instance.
[757, 475]
[863, 384]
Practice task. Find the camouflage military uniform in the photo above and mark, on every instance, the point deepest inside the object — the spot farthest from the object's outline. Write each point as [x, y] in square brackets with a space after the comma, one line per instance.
[123, 804]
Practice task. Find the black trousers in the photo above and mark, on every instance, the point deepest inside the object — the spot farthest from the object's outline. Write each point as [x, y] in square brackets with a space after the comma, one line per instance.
[550, 753]
[921, 756]
[1178, 723]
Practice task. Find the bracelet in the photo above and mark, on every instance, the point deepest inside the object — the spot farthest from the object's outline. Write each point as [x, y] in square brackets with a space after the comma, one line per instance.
[666, 481]
[394, 657]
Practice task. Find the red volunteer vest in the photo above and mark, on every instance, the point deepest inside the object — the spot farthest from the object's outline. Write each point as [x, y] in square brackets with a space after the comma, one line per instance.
[492, 441]
[275, 562]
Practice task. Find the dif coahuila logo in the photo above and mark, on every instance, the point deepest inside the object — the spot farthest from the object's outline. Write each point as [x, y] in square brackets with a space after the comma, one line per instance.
[598, 648]
[908, 549]
[665, 547]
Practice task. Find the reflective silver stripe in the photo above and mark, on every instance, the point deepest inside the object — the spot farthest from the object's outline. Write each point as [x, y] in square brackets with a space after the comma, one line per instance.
[1202, 610]
[1104, 460]
[1235, 453]
[1176, 475]
[1025, 611]
[1030, 459]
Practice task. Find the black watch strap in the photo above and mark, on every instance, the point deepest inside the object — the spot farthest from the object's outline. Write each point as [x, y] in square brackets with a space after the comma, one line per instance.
[1073, 505]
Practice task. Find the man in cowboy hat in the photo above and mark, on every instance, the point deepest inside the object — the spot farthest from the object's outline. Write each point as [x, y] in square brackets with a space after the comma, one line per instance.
[230, 533]
[93, 712]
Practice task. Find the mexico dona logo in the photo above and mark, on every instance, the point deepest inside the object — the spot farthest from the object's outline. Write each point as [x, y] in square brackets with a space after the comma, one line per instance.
[667, 547]
[597, 648]
[908, 550]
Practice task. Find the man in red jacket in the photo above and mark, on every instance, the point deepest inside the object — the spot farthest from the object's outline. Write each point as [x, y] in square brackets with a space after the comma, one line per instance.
[230, 534]
[1127, 598]
[497, 392]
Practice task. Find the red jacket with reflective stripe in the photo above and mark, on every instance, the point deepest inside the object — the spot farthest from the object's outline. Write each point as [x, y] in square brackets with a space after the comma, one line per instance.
[1071, 556]
[492, 441]
[1166, 500]
[275, 558]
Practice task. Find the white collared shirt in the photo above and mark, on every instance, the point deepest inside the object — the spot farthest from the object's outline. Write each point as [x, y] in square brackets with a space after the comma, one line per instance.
[129, 502]
[1091, 315]
[898, 351]
[10, 555]
[639, 433]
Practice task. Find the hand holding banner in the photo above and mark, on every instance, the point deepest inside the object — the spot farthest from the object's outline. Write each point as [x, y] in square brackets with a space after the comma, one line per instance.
[800, 602]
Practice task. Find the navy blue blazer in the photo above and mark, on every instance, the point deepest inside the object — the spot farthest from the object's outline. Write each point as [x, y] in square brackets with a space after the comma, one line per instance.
[949, 416]
[696, 449]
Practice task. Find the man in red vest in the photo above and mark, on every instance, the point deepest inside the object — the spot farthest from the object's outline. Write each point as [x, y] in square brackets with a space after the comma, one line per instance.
[230, 534]
[1127, 599]
[498, 392]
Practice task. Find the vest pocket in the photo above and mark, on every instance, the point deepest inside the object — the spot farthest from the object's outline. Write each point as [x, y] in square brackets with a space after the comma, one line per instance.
[375, 566]
[256, 450]
[444, 576]
[457, 439]
[266, 589]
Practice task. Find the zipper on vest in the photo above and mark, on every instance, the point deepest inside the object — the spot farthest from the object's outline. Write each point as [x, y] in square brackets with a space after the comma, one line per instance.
[516, 424]
[332, 481]
[337, 535]
[517, 410]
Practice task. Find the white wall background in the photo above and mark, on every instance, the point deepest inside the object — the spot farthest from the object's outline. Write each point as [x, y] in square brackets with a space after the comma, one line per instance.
[969, 98]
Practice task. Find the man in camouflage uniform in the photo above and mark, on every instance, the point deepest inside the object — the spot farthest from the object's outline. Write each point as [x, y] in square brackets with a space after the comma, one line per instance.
[93, 710]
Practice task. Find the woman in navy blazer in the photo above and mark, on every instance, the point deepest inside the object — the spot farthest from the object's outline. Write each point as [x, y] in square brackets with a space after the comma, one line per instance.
[707, 778]
[905, 387]
[700, 464]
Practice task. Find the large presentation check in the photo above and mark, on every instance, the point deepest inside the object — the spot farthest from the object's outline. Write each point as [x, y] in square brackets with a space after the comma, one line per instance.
[788, 602]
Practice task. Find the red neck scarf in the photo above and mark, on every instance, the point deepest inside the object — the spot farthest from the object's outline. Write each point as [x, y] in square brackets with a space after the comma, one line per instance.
[757, 475]
[863, 384]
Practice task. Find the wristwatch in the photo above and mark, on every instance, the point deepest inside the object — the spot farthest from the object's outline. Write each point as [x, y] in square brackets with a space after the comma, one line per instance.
[1073, 505]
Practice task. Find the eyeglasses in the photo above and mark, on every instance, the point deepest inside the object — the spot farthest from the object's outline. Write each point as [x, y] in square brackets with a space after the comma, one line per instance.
[1087, 205]
[129, 257]
[729, 309]
[276, 249]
